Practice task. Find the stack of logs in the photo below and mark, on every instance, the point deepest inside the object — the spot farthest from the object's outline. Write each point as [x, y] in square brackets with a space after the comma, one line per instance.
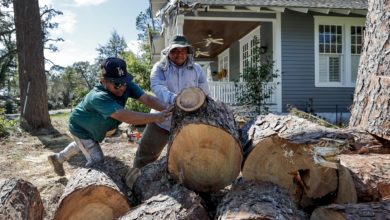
[275, 167]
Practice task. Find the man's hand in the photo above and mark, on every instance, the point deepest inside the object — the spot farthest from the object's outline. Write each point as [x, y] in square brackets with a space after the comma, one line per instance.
[164, 114]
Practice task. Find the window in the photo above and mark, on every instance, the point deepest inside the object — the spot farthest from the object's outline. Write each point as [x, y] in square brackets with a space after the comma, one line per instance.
[223, 63]
[338, 42]
[247, 45]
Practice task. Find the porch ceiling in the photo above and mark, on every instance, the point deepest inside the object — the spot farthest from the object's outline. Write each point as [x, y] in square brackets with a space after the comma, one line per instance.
[197, 31]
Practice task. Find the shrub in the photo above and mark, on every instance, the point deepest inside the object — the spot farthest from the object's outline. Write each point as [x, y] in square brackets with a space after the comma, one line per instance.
[5, 125]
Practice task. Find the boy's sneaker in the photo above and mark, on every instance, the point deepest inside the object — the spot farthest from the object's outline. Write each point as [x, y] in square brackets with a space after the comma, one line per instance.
[57, 166]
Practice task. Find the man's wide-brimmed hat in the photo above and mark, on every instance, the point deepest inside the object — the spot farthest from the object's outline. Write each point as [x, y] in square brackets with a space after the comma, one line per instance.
[179, 41]
[114, 69]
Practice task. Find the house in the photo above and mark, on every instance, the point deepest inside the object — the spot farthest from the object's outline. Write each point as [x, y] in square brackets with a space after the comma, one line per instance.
[315, 45]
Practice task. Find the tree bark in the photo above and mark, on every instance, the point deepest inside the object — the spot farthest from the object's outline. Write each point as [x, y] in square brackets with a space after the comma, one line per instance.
[295, 154]
[264, 200]
[177, 203]
[371, 175]
[371, 104]
[204, 152]
[91, 194]
[154, 179]
[360, 211]
[19, 199]
[32, 78]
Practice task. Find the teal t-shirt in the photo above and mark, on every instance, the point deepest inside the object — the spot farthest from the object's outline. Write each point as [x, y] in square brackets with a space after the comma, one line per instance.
[91, 117]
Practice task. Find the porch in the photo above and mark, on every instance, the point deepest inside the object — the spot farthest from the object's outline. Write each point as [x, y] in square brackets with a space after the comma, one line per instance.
[228, 92]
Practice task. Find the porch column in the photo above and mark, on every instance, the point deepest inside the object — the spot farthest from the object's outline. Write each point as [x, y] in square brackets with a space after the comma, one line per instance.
[179, 24]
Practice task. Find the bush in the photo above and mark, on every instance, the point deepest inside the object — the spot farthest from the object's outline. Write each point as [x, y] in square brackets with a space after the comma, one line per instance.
[5, 125]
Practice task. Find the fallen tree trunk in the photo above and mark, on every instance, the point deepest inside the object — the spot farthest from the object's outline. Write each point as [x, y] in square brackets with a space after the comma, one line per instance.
[371, 175]
[263, 200]
[360, 211]
[153, 180]
[295, 154]
[177, 203]
[19, 199]
[204, 151]
[91, 194]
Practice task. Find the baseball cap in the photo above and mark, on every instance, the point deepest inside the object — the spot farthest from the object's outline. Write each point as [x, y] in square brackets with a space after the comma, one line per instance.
[114, 70]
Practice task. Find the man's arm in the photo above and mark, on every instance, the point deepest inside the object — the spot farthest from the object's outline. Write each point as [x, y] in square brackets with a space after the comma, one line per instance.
[139, 118]
[152, 102]
[159, 87]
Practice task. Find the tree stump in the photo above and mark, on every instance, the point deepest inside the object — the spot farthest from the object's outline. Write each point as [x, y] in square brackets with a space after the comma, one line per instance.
[204, 152]
[359, 211]
[19, 199]
[295, 154]
[262, 200]
[177, 203]
[91, 194]
[371, 175]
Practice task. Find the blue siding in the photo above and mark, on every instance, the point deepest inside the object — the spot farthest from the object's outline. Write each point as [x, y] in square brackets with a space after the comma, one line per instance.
[298, 73]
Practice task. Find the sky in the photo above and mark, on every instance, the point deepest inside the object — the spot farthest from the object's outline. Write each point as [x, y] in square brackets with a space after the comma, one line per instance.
[86, 24]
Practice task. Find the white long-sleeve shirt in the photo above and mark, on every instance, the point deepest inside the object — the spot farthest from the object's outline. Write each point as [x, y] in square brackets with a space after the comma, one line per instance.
[166, 84]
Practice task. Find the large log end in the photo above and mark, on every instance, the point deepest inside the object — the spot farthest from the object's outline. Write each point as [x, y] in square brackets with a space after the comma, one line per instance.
[91, 194]
[19, 199]
[204, 158]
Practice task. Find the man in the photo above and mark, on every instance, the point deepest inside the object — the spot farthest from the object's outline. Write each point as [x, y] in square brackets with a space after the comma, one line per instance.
[174, 72]
[102, 110]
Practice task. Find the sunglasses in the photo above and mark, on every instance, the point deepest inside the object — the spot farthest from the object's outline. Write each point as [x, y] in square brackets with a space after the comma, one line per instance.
[119, 85]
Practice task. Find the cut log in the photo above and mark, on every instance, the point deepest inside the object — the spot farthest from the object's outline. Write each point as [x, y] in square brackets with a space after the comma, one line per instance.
[360, 211]
[19, 199]
[204, 152]
[295, 154]
[176, 203]
[91, 194]
[371, 175]
[154, 179]
[263, 200]
[190, 99]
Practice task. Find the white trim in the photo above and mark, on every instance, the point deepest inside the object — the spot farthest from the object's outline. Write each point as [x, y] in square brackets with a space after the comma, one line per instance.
[341, 11]
[253, 8]
[302, 10]
[227, 19]
[236, 10]
[346, 23]
[277, 57]
[230, 7]
[320, 10]
[179, 24]
[277, 9]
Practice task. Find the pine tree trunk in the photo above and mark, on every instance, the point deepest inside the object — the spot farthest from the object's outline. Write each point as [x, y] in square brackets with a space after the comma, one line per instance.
[204, 152]
[360, 211]
[371, 104]
[19, 199]
[295, 154]
[177, 203]
[264, 200]
[154, 179]
[371, 175]
[32, 78]
[91, 194]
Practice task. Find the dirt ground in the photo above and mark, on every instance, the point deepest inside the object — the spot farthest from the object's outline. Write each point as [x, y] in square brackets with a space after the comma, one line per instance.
[24, 155]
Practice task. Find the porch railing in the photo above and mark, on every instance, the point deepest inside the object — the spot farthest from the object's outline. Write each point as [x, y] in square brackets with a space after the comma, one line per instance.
[229, 92]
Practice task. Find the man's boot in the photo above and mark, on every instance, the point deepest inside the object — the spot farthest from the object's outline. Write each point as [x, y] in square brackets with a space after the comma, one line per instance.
[132, 176]
[57, 166]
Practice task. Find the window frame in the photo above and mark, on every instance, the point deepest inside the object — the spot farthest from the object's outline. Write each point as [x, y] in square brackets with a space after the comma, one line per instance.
[221, 57]
[346, 23]
[246, 40]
